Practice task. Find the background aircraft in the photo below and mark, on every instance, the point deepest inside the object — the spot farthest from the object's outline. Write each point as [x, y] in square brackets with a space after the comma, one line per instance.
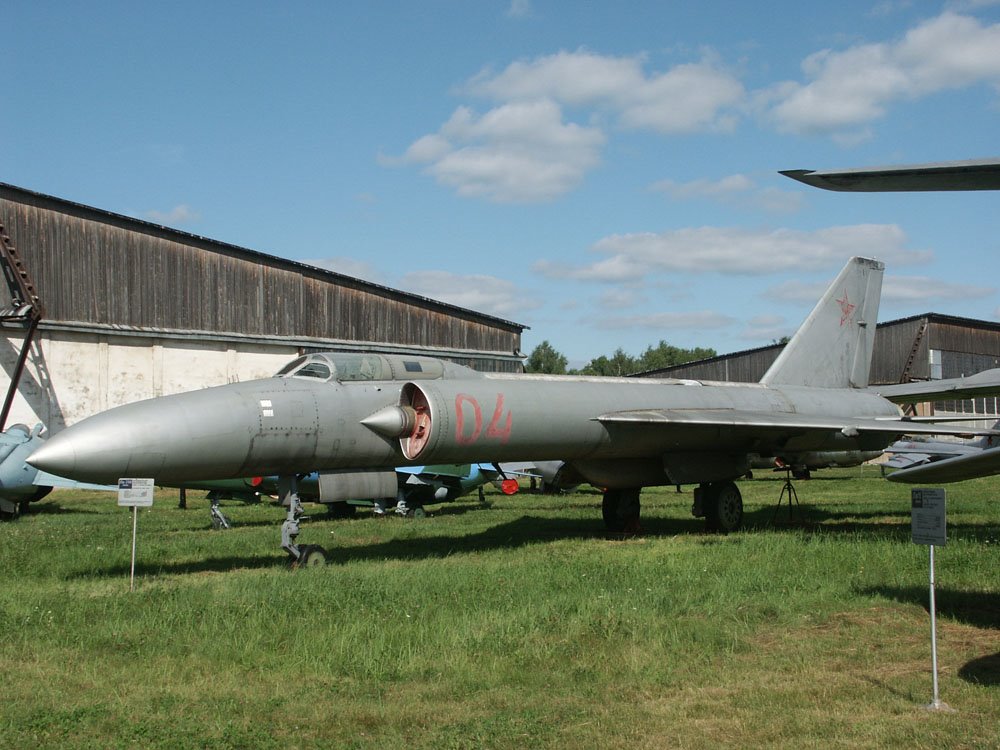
[905, 454]
[347, 416]
[974, 174]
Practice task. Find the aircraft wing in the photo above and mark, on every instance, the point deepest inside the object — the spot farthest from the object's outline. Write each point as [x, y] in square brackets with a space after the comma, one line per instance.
[982, 464]
[973, 174]
[776, 425]
[985, 383]
[44, 479]
[907, 460]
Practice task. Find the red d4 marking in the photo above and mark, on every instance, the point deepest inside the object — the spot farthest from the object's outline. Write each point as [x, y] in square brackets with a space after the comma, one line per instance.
[467, 433]
[495, 429]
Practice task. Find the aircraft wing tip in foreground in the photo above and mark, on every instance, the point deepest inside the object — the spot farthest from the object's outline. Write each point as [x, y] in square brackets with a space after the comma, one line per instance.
[972, 174]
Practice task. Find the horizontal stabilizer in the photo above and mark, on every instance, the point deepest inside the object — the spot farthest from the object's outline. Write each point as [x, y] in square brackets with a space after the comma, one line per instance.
[985, 383]
[44, 479]
[983, 464]
[906, 460]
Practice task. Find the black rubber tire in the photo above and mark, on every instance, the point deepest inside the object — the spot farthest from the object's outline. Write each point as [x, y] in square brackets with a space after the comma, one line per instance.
[723, 507]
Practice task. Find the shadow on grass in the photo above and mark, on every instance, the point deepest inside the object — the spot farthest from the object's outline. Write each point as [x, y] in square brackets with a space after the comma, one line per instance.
[523, 532]
[978, 608]
[55, 509]
[982, 671]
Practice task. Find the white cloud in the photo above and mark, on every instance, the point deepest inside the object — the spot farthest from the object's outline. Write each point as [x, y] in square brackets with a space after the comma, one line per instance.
[905, 289]
[486, 294]
[519, 9]
[180, 214]
[766, 328]
[517, 153]
[620, 298]
[686, 98]
[526, 150]
[925, 289]
[698, 321]
[849, 89]
[737, 190]
[636, 256]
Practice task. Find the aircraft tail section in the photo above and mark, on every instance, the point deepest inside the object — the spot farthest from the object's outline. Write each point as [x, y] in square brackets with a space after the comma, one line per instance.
[833, 348]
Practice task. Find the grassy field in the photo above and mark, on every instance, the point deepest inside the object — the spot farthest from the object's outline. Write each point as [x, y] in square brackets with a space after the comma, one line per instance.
[520, 625]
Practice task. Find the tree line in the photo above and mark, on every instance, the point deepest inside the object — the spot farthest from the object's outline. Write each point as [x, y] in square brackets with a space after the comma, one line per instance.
[544, 358]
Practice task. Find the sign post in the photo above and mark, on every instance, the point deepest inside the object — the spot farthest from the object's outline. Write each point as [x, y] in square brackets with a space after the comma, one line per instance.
[135, 494]
[928, 525]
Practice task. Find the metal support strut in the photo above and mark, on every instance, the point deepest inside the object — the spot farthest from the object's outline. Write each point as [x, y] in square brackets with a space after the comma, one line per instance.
[288, 491]
[219, 520]
[305, 554]
[788, 489]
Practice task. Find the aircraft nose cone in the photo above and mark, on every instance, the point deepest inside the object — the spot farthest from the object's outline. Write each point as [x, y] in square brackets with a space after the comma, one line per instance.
[54, 456]
[205, 434]
[135, 440]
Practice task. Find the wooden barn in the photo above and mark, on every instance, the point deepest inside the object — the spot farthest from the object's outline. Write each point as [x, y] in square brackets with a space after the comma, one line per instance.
[134, 310]
[922, 347]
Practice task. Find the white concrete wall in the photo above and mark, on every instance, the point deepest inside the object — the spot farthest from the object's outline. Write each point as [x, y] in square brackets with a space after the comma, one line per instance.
[71, 375]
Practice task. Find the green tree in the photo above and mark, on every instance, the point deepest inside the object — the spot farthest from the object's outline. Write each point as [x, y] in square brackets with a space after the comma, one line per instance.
[544, 358]
[665, 355]
[618, 365]
[662, 356]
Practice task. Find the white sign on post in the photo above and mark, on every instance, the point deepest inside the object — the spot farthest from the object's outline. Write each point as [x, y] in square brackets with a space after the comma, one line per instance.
[928, 526]
[927, 519]
[135, 494]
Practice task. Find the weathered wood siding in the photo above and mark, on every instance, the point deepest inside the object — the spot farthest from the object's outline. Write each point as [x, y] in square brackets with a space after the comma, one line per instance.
[894, 343]
[901, 353]
[94, 267]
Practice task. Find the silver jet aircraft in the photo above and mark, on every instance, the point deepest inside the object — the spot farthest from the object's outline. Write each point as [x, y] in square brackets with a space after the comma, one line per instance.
[350, 416]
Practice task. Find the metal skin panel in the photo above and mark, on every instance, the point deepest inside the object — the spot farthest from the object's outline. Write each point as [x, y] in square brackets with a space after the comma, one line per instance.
[339, 486]
[510, 420]
[220, 433]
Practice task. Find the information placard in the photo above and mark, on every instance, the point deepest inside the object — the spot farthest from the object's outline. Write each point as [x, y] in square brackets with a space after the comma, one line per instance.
[927, 516]
[135, 493]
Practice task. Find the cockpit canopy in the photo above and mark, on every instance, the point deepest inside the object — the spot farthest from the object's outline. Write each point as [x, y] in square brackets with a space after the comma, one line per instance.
[345, 368]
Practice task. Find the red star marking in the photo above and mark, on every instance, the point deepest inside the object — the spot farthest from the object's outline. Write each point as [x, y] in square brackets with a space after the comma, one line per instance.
[846, 308]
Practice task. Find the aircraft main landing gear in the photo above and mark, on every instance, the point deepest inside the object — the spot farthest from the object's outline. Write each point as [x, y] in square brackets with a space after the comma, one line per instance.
[307, 554]
[621, 508]
[219, 520]
[720, 504]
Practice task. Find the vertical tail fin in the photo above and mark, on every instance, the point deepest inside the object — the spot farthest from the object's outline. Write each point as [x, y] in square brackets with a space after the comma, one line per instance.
[833, 348]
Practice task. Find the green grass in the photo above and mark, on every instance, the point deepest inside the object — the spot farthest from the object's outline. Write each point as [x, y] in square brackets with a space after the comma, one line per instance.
[520, 625]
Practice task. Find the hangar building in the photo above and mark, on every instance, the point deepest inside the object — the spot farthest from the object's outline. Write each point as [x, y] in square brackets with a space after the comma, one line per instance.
[923, 347]
[135, 310]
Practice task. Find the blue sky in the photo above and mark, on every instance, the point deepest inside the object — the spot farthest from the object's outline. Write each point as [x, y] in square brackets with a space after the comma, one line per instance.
[605, 173]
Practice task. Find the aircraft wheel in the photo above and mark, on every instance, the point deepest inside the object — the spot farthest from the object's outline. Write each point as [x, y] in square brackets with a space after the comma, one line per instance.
[9, 510]
[311, 555]
[724, 507]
